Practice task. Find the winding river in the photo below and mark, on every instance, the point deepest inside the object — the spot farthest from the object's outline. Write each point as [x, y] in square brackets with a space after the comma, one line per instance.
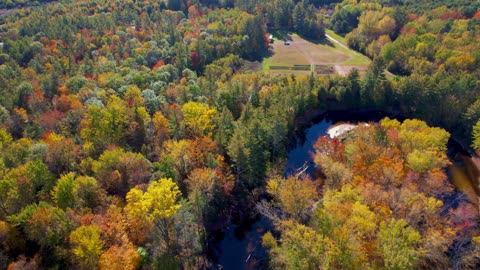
[240, 246]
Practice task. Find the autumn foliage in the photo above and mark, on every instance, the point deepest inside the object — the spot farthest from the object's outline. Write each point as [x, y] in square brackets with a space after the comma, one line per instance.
[132, 131]
[382, 203]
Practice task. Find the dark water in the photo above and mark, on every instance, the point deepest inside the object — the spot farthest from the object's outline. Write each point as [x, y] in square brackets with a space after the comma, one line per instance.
[465, 175]
[233, 248]
[240, 247]
[302, 153]
[239, 242]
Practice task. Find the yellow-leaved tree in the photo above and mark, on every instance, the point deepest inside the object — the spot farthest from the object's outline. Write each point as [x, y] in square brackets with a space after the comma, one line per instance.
[87, 246]
[199, 117]
[154, 207]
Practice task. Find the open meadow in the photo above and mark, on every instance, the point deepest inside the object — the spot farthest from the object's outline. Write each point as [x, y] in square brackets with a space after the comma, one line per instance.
[292, 54]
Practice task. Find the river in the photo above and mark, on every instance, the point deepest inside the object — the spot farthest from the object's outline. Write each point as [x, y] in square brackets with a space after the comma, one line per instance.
[240, 247]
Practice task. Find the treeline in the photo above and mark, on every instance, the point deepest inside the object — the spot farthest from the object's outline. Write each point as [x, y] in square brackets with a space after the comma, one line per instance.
[465, 7]
[302, 17]
[23, 3]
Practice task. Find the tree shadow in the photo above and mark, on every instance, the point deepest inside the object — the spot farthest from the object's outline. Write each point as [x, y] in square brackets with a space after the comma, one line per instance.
[281, 34]
[319, 41]
[259, 56]
[268, 52]
[285, 35]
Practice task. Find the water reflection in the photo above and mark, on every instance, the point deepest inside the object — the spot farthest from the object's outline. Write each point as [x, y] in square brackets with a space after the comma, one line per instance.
[464, 175]
[240, 247]
[302, 153]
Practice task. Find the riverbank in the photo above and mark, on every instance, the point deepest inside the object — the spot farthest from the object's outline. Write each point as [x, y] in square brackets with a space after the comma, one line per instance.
[241, 238]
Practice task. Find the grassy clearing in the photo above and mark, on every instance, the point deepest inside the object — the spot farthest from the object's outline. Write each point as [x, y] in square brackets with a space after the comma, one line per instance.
[266, 64]
[336, 36]
[356, 58]
[287, 55]
[304, 52]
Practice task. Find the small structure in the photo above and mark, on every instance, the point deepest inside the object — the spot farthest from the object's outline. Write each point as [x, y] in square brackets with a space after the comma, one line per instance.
[339, 130]
[270, 38]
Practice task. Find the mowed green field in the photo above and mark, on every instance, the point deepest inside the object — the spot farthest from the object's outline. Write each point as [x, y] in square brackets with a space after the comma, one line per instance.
[331, 55]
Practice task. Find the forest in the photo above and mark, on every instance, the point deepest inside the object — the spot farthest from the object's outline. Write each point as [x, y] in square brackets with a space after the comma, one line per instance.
[132, 131]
